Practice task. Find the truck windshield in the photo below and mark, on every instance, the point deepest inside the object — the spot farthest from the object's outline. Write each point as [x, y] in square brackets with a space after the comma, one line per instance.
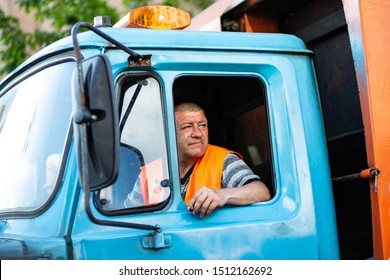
[34, 119]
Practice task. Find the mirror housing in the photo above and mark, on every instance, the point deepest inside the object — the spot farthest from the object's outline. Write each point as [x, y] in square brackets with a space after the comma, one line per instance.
[95, 123]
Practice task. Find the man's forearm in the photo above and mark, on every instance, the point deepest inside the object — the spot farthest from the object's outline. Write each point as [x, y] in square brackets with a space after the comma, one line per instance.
[251, 193]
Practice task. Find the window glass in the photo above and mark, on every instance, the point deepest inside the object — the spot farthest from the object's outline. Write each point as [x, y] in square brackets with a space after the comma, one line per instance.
[34, 121]
[143, 170]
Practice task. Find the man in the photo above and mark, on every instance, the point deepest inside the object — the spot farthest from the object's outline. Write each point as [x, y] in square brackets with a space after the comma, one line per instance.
[211, 176]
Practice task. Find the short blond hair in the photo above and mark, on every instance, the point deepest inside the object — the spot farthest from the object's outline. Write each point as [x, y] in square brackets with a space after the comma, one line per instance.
[188, 107]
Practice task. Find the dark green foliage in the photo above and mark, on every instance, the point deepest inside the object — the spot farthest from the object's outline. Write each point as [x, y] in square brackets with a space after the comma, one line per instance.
[16, 45]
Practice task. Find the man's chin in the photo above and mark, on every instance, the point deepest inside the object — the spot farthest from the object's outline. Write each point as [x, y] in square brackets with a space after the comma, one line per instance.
[197, 152]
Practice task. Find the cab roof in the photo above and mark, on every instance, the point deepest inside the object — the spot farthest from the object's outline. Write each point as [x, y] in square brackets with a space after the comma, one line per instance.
[149, 39]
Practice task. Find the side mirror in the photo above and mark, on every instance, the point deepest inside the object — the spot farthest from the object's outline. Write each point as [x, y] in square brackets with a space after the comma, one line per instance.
[96, 124]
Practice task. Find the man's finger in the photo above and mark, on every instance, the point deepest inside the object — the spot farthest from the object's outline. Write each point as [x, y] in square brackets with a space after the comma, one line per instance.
[198, 202]
[205, 206]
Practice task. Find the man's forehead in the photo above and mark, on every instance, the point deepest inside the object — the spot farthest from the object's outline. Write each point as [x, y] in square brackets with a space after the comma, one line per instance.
[190, 113]
[186, 116]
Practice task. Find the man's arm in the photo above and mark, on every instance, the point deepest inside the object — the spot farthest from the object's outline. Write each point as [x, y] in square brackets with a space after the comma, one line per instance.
[206, 200]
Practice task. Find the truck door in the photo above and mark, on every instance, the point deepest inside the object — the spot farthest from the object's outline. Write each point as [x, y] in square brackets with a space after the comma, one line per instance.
[35, 117]
[145, 129]
[237, 104]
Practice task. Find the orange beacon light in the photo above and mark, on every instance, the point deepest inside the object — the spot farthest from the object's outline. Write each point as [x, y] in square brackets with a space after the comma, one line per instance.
[156, 17]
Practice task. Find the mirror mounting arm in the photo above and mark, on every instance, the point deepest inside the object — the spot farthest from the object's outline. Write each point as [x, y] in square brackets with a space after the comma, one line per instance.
[95, 220]
[134, 56]
[75, 29]
[84, 116]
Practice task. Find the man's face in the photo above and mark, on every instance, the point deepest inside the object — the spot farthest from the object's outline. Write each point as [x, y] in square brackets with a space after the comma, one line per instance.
[192, 134]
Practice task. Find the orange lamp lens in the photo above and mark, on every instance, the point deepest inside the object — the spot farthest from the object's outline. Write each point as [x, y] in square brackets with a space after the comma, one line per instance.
[159, 17]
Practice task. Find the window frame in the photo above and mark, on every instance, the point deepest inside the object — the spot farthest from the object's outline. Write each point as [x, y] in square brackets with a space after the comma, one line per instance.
[245, 108]
[235, 113]
[120, 92]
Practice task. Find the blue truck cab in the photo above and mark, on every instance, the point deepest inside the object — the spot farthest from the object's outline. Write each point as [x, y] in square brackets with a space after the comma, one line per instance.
[83, 116]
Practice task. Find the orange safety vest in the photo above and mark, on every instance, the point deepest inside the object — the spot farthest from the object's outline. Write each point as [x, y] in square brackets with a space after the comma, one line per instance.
[208, 170]
[150, 182]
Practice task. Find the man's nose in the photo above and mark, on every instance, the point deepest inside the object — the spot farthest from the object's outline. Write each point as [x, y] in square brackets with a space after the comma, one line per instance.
[196, 131]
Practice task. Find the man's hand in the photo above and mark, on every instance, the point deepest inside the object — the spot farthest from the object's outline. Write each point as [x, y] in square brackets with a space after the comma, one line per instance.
[205, 200]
